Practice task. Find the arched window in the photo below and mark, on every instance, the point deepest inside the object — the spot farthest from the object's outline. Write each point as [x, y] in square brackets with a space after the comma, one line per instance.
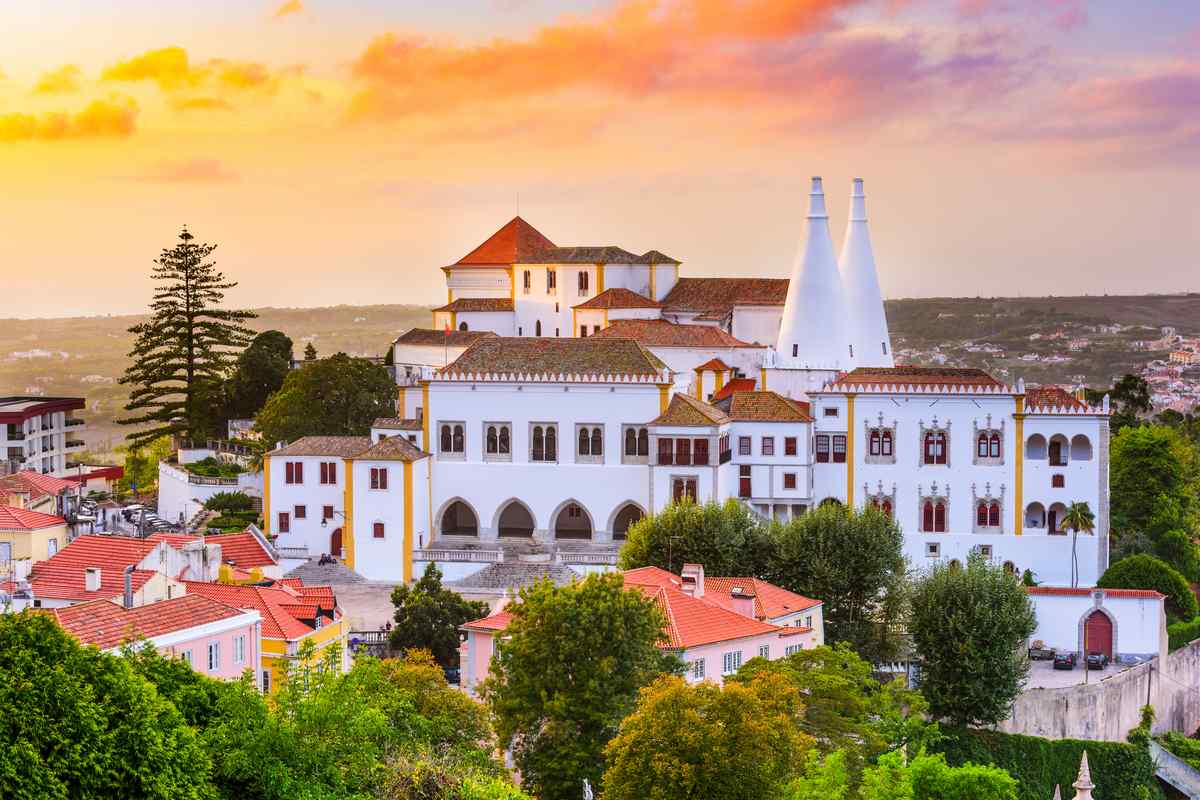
[462, 326]
[935, 447]
[981, 448]
[458, 438]
[994, 446]
[539, 443]
[597, 442]
[551, 444]
[994, 515]
[876, 447]
[584, 442]
[447, 442]
[981, 517]
[886, 443]
[505, 445]
[927, 516]
[939, 517]
[643, 442]
[630, 442]
[493, 440]
[537, 328]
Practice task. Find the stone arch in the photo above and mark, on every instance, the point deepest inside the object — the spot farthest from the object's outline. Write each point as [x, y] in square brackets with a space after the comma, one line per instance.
[1035, 515]
[623, 517]
[335, 543]
[1035, 447]
[1081, 448]
[514, 519]
[572, 520]
[1058, 451]
[457, 517]
[1112, 619]
[1054, 518]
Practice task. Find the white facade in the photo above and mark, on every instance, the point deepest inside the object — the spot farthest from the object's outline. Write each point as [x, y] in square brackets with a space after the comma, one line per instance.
[869, 331]
[40, 434]
[1137, 620]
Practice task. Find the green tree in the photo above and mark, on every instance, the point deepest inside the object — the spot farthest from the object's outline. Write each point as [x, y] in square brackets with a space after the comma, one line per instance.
[141, 464]
[1129, 398]
[969, 626]
[854, 562]
[726, 538]
[429, 615]
[185, 348]
[336, 396]
[258, 373]
[1147, 572]
[1080, 519]
[925, 777]
[310, 352]
[740, 742]
[566, 674]
[76, 723]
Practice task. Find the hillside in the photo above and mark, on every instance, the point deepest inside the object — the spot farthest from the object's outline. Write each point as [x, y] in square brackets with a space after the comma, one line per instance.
[86, 355]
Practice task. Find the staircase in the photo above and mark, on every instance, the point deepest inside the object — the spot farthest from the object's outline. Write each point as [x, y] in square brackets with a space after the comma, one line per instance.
[314, 574]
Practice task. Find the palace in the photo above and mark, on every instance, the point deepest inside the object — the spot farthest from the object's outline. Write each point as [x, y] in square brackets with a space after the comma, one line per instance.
[564, 392]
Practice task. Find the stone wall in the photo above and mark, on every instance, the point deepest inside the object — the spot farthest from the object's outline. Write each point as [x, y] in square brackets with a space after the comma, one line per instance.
[1106, 710]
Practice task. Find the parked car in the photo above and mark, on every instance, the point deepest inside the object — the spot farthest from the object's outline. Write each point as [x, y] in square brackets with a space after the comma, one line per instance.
[453, 675]
[1097, 661]
[1064, 661]
[1039, 652]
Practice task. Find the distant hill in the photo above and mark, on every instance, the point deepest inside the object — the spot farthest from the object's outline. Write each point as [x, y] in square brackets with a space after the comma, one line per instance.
[86, 355]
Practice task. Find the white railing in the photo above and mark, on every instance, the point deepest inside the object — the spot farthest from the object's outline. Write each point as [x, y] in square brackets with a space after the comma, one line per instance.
[291, 552]
[471, 556]
[568, 557]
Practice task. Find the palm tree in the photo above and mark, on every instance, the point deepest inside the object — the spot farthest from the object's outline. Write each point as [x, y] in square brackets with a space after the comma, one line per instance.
[1079, 517]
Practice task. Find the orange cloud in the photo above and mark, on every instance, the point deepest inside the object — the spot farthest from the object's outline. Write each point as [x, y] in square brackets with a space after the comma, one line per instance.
[196, 170]
[171, 69]
[112, 118]
[63, 80]
[200, 104]
[289, 8]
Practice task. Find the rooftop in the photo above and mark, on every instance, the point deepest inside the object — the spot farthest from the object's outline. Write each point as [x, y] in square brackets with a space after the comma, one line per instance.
[770, 601]
[1066, 591]
[619, 298]
[393, 448]
[22, 519]
[686, 411]
[342, 446]
[765, 407]
[242, 549]
[714, 365]
[284, 605]
[433, 336]
[397, 423]
[661, 333]
[17, 408]
[106, 624]
[516, 242]
[35, 484]
[1052, 397]
[607, 254]
[593, 356]
[61, 577]
[734, 385]
[718, 296]
[917, 376]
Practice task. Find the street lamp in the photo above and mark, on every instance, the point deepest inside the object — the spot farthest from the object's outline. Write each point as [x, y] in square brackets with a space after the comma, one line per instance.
[325, 520]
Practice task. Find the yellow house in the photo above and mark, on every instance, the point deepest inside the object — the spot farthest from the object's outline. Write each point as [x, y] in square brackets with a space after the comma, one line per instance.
[27, 537]
[292, 614]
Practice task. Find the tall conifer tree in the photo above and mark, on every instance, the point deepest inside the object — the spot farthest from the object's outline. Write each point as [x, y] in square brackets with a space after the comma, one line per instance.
[185, 348]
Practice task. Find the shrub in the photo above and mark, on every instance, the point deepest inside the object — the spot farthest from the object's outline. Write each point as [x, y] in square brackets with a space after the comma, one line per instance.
[229, 501]
[1180, 634]
[1147, 572]
[1122, 771]
[212, 468]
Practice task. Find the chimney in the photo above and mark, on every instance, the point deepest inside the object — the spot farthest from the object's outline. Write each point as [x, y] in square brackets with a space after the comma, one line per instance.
[814, 330]
[91, 579]
[693, 580]
[868, 323]
[743, 602]
[127, 597]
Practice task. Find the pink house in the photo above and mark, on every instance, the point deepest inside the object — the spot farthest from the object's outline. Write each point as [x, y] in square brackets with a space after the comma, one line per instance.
[218, 640]
[713, 626]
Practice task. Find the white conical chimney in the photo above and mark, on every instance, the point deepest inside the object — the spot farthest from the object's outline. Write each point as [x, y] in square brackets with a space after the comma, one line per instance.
[869, 330]
[814, 332]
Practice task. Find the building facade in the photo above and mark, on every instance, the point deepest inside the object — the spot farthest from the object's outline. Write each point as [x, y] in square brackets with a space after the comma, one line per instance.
[40, 434]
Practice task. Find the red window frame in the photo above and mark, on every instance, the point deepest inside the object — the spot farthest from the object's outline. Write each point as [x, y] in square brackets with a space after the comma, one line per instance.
[875, 447]
[301, 512]
[822, 448]
[935, 447]
[377, 530]
[789, 480]
[285, 522]
[789, 445]
[839, 449]
[379, 478]
[994, 515]
[886, 443]
[700, 452]
[683, 451]
[666, 451]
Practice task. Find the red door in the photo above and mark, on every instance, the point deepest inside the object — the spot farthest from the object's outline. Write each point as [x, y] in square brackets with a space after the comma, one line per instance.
[1098, 634]
[335, 544]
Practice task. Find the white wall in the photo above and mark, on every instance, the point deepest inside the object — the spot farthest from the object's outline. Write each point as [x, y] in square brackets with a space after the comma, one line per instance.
[1139, 629]
[313, 495]
[757, 324]
[383, 559]
[683, 360]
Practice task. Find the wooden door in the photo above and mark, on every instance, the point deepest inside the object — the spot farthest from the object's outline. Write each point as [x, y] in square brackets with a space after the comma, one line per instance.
[1098, 634]
[335, 544]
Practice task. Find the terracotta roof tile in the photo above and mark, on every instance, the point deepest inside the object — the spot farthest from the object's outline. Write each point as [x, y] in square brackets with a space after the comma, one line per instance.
[393, 448]
[241, 549]
[735, 385]
[718, 296]
[922, 376]
[270, 601]
[496, 622]
[434, 336]
[714, 365]
[397, 423]
[770, 601]
[516, 242]
[22, 519]
[607, 254]
[1052, 397]
[1066, 591]
[478, 304]
[619, 298]
[658, 257]
[61, 577]
[552, 356]
[765, 407]
[35, 484]
[106, 624]
[341, 446]
[686, 411]
[661, 333]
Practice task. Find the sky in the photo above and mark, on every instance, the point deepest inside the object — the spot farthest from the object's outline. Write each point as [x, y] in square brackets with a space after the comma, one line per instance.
[341, 151]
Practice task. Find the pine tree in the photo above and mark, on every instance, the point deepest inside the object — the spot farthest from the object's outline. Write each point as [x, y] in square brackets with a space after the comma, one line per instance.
[310, 352]
[185, 348]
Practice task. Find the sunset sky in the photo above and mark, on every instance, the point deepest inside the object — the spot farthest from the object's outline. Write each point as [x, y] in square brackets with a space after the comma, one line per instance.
[340, 151]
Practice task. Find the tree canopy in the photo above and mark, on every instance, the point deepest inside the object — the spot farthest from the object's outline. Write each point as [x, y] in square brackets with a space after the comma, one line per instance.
[257, 374]
[182, 353]
[702, 741]
[970, 625]
[428, 616]
[1147, 572]
[566, 674]
[336, 396]
[924, 777]
[726, 538]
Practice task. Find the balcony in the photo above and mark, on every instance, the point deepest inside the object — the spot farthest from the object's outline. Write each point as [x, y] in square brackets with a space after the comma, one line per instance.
[76, 444]
[75, 423]
[16, 436]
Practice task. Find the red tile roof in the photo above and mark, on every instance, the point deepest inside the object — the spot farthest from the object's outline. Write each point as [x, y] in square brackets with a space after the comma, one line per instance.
[439, 337]
[1052, 397]
[496, 622]
[22, 519]
[107, 624]
[924, 376]
[35, 484]
[547, 356]
[765, 407]
[661, 333]
[692, 621]
[278, 603]
[718, 296]
[515, 243]
[61, 577]
[735, 385]
[1066, 591]
[714, 364]
[770, 601]
[619, 298]
[111, 473]
[478, 304]
[240, 549]
[686, 411]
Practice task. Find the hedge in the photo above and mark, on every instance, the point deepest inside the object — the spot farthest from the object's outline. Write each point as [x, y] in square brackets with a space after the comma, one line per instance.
[1180, 634]
[1147, 572]
[1120, 771]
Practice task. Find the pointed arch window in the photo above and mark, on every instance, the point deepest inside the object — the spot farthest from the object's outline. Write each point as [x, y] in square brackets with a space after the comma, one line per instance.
[994, 515]
[876, 443]
[994, 445]
[935, 447]
[451, 440]
[497, 441]
[981, 515]
[886, 508]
